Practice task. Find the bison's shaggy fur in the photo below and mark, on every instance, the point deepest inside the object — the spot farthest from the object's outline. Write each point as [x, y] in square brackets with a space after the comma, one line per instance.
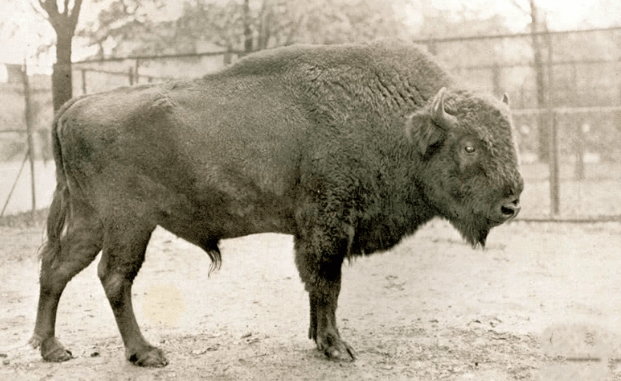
[348, 148]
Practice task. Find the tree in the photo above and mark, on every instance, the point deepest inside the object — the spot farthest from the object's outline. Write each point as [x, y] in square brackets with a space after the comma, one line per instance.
[332, 21]
[536, 26]
[124, 20]
[248, 25]
[64, 21]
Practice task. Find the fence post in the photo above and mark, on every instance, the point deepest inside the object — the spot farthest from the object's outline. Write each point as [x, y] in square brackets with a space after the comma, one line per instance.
[553, 152]
[579, 140]
[83, 71]
[432, 47]
[578, 126]
[131, 76]
[136, 75]
[28, 117]
[228, 55]
[497, 80]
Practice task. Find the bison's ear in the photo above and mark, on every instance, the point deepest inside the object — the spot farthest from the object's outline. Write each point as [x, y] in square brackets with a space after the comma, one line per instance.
[505, 99]
[422, 131]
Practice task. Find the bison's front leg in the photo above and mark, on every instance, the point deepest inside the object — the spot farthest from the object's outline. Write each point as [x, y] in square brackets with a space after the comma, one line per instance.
[323, 327]
[321, 273]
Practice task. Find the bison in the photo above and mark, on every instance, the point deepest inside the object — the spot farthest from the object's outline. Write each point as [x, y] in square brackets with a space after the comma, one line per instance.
[348, 148]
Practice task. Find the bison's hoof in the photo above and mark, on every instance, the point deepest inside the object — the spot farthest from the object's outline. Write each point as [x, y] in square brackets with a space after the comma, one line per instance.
[338, 350]
[150, 357]
[51, 349]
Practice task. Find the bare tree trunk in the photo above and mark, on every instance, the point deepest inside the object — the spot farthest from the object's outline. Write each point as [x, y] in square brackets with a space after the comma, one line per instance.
[64, 24]
[264, 25]
[247, 27]
[542, 121]
[62, 83]
[553, 149]
[31, 149]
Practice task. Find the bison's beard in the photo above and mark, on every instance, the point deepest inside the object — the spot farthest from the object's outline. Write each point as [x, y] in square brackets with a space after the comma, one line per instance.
[474, 231]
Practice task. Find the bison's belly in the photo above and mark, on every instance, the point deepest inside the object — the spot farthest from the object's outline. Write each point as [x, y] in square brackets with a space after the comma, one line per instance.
[193, 211]
[217, 216]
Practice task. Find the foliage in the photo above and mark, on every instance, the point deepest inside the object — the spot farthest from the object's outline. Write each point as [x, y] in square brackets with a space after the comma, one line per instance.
[334, 21]
[218, 22]
[222, 23]
[123, 20]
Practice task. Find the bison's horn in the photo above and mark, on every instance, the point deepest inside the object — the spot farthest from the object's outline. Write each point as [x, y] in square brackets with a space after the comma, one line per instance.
[438, 114]
[505, 99]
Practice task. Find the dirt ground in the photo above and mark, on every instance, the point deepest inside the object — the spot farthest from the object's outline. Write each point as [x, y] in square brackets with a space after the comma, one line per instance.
[541, 302]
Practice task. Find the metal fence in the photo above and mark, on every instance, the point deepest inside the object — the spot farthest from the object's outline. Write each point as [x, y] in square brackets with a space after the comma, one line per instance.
[96, 75]
[564, 89]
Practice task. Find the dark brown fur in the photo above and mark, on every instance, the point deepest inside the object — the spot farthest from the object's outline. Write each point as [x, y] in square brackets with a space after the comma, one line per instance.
[348, 148]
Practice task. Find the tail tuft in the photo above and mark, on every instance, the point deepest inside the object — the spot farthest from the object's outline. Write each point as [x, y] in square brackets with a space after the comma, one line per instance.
[56, 219]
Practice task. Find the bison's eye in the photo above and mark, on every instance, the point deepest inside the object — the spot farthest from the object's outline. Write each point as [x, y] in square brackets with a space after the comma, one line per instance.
[469, 149]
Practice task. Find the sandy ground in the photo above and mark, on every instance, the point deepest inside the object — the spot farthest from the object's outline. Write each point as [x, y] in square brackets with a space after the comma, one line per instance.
[542, 302]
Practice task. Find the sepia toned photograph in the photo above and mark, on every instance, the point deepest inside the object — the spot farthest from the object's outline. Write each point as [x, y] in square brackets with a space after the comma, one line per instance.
[310, 190]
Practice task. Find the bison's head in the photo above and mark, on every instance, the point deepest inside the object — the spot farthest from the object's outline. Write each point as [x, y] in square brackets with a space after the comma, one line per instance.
[469, 170]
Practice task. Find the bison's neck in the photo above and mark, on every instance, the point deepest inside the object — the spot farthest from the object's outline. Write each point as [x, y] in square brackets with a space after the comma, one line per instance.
[385, 231]
[396, 206]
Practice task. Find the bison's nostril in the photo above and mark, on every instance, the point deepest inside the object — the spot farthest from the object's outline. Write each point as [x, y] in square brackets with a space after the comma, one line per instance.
[510, 209]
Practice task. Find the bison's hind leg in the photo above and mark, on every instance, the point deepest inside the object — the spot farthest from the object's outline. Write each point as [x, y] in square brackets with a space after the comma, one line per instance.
[61, 259]
[125, 243]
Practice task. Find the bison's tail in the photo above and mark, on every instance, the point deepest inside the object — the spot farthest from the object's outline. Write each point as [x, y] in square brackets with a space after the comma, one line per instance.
[56, 220]
[59, 209]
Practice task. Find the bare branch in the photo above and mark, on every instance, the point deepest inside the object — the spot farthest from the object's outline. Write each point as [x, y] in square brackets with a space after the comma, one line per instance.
[50, 7]
[66, 10]
[521, 7]
[136, 8]
[294, 30]
[37, 8]
[75, 13]
[53, 16]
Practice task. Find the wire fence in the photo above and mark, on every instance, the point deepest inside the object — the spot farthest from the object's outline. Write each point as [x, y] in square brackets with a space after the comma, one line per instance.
[564, 90]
